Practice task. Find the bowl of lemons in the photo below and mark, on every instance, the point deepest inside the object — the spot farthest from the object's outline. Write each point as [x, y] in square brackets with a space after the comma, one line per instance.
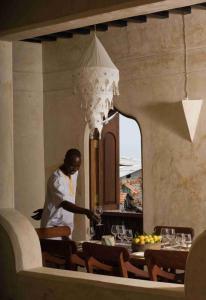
[146, 241]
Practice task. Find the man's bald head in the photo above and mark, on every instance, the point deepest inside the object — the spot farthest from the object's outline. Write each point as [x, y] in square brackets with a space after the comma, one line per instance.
[72, 161]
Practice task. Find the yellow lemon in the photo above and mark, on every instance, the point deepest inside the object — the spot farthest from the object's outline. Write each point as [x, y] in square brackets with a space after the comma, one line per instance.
[142, 242]
[136, 240]
[155, 238]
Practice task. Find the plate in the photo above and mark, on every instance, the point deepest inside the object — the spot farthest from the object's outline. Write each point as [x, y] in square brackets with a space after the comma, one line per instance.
[140, 254]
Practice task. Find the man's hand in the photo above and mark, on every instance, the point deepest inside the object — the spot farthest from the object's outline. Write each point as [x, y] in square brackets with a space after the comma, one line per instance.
[92, 216]
[38, 214]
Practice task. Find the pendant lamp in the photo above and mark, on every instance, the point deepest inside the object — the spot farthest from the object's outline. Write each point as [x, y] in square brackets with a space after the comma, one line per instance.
[97, 81]
[191, 108]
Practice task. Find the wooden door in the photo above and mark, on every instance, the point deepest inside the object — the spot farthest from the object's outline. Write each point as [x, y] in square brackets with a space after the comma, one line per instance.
[104, 167]
[109, 188]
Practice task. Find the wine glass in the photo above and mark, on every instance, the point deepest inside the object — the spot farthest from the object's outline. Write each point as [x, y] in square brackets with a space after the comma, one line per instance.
[114, 231]
[121, 232]
[129, 235]
[99, 211]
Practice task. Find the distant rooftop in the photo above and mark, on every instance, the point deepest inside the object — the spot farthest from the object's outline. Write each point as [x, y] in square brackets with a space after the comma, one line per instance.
[128, 166]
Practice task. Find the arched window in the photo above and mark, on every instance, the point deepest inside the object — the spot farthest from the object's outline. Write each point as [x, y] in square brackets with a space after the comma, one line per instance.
[116, 165]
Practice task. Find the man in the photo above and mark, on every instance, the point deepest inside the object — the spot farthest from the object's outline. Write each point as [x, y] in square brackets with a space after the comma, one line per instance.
[60, 197]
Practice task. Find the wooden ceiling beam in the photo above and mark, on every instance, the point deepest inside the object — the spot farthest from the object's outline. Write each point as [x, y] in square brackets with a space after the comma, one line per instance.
[182, 10]
[83, 30]
[138, 19]
[45, 38]
[118, 23]
[63, 34]
[160, 15]
[32, 41]
[102, 27]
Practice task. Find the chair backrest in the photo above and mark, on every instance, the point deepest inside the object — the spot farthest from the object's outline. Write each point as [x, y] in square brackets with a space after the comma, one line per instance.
[105, 259]
[112, 259]
[61, 252]
[106, 254]
[160, 260]
[58, 247]
[187, 230]
[53, 232]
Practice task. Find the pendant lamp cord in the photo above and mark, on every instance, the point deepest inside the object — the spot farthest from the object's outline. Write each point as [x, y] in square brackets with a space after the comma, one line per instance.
[185, 58]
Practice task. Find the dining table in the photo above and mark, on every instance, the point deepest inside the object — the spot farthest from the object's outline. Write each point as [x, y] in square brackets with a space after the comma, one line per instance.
[138, 257]
[172, 257]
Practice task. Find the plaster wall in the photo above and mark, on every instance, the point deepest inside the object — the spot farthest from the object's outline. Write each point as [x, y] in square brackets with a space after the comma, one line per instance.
[63, 120]
[6, 126]
[28, 127]
[150, 58]
[24, 278]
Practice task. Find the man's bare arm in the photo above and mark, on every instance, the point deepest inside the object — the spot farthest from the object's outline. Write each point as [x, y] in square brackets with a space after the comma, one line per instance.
[79, 210]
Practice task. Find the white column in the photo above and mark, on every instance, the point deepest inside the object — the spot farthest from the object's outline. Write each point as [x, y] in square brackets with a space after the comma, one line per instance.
[6, 126]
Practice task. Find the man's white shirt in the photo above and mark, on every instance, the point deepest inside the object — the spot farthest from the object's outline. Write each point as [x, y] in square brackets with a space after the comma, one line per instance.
[59, 188]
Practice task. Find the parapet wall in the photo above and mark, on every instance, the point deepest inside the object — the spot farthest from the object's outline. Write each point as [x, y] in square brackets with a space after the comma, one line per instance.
[24, 278]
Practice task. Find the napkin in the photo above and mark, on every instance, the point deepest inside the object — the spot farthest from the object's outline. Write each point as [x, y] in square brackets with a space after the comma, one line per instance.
[108, 240]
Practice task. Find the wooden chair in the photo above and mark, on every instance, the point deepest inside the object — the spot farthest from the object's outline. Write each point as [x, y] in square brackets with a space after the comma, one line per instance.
[186, 230]
[111, 260]
[53, 232]
[158, 261]
[59, 253]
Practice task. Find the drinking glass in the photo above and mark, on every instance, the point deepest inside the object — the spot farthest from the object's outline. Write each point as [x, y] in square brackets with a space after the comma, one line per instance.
[171, 236]
[114, 231]
[121, 232]
[164, 234]
[99, 211]
[188, 240]
[129, 235]
[180, 239]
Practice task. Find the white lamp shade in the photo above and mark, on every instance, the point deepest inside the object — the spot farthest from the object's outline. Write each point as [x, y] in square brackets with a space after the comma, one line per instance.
[97, 81]
[192, 109]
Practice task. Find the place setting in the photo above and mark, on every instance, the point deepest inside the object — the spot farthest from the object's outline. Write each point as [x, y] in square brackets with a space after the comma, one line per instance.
[175, 240]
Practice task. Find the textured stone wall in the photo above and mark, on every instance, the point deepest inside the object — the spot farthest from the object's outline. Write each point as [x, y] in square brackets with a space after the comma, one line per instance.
[150, 58]
[28, 127]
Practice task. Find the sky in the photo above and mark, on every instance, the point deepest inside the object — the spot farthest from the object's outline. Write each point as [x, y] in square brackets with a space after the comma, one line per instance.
[130, 139]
